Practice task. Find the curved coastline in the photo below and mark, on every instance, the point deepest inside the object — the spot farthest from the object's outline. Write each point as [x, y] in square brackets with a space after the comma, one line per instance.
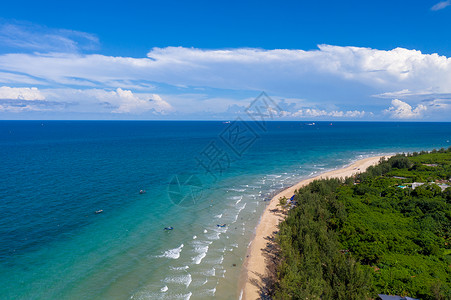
[254, 268]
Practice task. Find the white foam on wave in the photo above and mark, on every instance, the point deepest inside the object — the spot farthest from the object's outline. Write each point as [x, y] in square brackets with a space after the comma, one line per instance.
[221, 259]
[181, 279]
[218, 216]
[217, 260]
[201, 243]
[202, 252]
[236, 217]
[201, 248]
[241, 208]
[214, 235]
[210, 272]
[238, 190]
[237, 198]
[172, 253]
[255, 186]
[179, 268]
[205, 231]
[210, 292]
[273, 176]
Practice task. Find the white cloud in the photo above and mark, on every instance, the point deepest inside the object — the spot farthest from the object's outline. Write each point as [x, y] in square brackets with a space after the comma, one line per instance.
[355, 114]
[312, 112]
[21, 93]
[275, 71]
[350, 74]
[11, 78]
[28, 36]
[129, 103]
[119, 101]
[440, 105]
[401, 93]
[107, 101]
[406, 93]
[17, 108]
[441, 5]
[402, 110]
[25, 99]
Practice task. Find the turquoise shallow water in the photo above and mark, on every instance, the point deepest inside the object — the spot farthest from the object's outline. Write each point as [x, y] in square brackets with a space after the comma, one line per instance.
[56, 174]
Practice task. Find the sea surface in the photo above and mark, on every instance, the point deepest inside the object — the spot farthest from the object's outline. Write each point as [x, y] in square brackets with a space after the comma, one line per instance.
[194, 176]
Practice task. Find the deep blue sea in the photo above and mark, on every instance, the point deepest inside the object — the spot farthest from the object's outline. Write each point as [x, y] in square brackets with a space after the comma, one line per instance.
[54, 176]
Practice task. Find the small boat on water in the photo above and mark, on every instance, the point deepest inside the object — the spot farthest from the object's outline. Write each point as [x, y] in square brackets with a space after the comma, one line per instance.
[142, 192]
[169, 228]
[99, 211]
[221, 225]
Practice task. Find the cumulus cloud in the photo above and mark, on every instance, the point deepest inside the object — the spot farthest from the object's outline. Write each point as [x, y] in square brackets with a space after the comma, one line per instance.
[127, 102]
[119, 101]
[111, 101]
[26, 99]
[312, 112]
[441, 5]
[402, 110]
[21, 93]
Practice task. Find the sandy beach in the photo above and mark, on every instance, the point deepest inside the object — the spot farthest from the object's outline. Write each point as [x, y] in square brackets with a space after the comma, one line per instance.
[255, 266]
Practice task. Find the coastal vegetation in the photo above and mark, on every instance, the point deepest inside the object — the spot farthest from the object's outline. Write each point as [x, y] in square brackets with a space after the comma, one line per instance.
[384, 231]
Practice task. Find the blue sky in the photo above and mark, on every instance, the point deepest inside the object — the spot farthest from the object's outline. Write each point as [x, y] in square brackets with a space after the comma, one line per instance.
[323, 60]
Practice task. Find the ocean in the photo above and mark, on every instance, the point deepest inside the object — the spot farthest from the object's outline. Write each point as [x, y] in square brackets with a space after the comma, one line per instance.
[144, 176]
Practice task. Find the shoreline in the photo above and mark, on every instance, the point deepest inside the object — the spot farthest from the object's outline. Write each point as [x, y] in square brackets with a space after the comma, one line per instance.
[254, 268]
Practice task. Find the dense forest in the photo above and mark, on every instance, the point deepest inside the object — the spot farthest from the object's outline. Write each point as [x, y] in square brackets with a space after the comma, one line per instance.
[385, 231]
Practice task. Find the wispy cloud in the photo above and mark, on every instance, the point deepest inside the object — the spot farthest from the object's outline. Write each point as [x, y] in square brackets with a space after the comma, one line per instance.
[31, 37]
[441, 5]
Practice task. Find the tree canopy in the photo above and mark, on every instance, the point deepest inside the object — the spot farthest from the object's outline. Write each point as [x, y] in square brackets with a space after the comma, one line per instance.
[370, 234]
